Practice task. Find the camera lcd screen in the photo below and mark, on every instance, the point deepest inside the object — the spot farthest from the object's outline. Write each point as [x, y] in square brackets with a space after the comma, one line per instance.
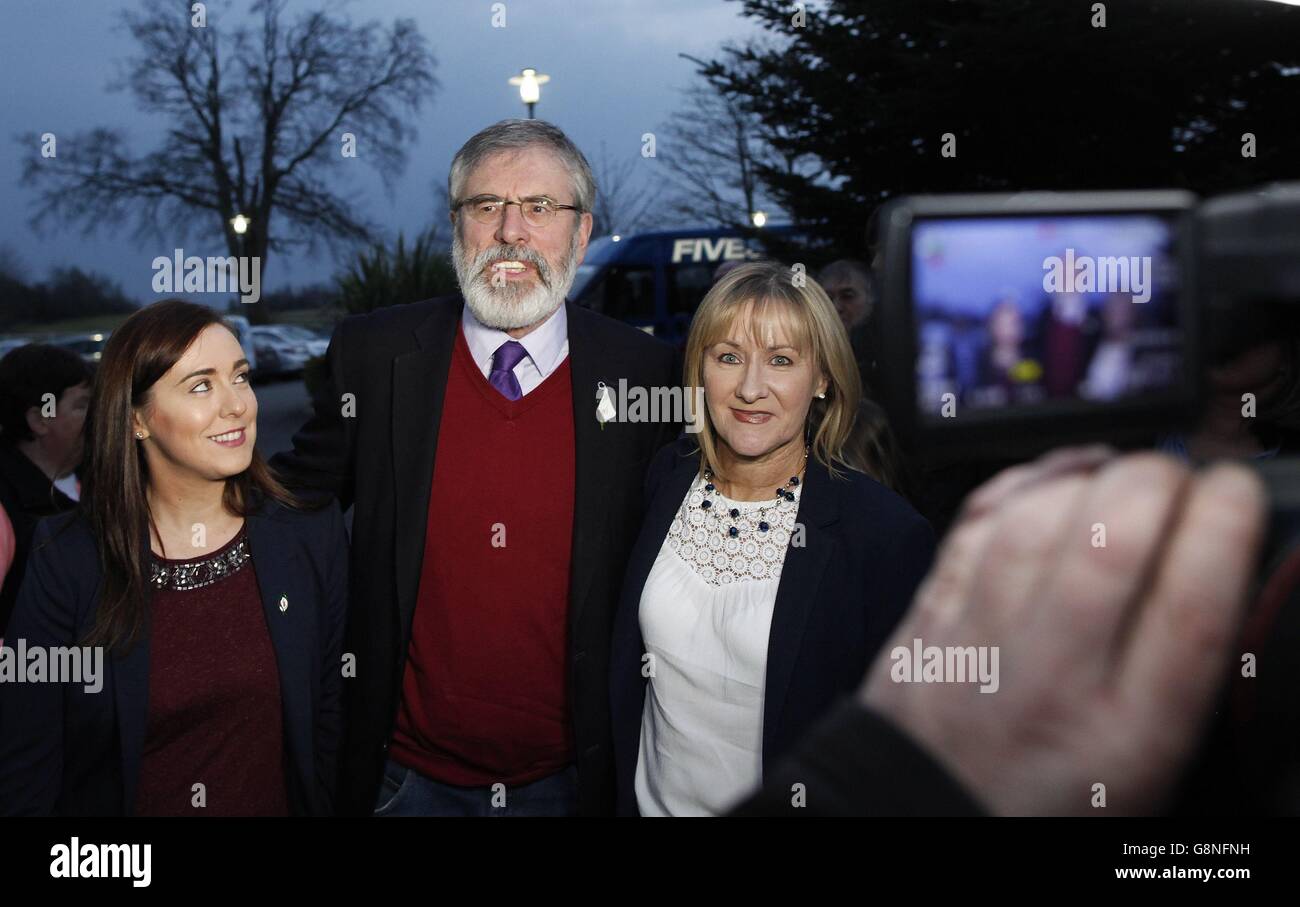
[1036, 311]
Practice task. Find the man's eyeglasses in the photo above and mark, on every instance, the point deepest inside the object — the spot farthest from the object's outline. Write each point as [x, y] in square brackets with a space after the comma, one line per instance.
[538, 211]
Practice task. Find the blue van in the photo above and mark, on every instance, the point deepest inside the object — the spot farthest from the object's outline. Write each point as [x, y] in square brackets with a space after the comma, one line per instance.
[655, 281]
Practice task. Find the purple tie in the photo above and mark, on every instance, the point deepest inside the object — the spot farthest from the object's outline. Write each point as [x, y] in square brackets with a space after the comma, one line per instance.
[502, 376]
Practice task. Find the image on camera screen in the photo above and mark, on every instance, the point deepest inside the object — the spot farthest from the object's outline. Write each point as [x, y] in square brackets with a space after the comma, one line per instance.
[1044, 310]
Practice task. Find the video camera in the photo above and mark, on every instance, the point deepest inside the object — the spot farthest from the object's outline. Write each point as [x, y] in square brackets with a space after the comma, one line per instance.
[1012, 324]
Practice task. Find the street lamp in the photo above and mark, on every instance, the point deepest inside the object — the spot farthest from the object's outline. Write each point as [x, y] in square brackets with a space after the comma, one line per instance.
[530, 83]
[759, 218]
[239, 223]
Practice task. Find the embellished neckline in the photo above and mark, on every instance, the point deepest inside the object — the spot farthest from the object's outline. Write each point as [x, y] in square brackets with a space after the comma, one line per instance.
[722, 559]
[743, 505]
[195, 573]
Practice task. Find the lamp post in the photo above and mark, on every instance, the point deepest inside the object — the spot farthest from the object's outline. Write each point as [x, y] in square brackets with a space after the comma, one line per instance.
[239, 223]
[530, 83]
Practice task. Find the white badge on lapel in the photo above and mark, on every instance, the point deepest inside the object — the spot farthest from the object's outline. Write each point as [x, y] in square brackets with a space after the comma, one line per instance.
[605, 410]
[284, 603]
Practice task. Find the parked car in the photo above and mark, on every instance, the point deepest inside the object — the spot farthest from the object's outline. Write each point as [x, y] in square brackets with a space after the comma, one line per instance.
[244, 331]
[88, 346]
[294, 335]
[316, 344]
[276, 357]
[268, 360]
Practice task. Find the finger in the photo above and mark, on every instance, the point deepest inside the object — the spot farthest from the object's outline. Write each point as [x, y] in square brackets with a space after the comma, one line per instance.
[1178, 649]
[1025, 541]
[1115, 535]
[946, 590]
[1011, 482]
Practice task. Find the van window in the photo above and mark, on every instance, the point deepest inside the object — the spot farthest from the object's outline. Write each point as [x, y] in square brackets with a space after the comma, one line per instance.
[586, 271]
[687, 286]
[624, 292]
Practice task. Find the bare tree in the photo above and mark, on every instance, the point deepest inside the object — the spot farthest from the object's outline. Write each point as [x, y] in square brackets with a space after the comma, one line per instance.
[713, 149]
[622, 204]
[708, 151]
[256, 118]
[440, 228]
[12, 264]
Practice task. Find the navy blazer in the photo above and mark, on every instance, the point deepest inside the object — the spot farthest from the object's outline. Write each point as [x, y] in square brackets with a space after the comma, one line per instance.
[839, 598]
[65, 751]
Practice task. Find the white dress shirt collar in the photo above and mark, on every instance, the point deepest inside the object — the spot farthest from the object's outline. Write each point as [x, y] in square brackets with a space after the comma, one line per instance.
[547, 344]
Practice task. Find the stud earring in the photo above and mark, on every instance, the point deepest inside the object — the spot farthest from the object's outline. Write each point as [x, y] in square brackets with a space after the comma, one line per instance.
[140, 435]
[822, 395]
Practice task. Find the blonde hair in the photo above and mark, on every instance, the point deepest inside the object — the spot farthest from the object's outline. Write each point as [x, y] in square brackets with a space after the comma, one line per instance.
[808, 318]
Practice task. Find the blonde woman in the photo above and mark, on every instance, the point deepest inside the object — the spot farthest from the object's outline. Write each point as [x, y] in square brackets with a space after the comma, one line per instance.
[770, 567]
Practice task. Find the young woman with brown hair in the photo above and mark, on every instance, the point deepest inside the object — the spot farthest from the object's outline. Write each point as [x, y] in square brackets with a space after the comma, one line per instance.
[213, 602]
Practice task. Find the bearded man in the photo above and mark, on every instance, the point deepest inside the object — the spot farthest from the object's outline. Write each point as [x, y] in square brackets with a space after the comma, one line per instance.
[494, 509]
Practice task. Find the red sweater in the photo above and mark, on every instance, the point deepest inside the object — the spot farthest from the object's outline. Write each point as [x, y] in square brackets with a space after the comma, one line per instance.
[485, 693]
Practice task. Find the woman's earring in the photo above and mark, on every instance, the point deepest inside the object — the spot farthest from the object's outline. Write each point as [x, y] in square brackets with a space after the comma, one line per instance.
[822, 395]
[140, 435]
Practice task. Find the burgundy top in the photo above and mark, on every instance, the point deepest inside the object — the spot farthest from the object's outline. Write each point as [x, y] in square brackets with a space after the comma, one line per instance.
[214, 692]
[485, 697]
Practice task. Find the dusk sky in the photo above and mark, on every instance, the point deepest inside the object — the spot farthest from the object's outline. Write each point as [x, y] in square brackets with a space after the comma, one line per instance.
[615, 74]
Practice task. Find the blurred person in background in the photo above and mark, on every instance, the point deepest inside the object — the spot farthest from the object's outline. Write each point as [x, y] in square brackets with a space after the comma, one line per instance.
[1110, 371]
[1006, 375]
[1068, 334]
[852, 288]
[43, 395]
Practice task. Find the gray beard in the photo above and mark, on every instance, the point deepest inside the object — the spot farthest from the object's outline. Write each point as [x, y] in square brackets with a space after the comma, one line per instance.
[509, 307]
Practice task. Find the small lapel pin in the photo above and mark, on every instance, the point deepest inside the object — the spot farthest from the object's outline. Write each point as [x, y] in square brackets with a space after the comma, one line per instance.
[284, 603]
[604, 404]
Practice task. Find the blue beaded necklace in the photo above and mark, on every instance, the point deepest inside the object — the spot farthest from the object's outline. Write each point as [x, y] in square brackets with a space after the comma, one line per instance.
[783, 494]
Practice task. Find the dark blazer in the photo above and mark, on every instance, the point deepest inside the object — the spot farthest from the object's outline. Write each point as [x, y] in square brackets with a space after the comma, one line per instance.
[840, 596]
[379, 460]
[68, 752]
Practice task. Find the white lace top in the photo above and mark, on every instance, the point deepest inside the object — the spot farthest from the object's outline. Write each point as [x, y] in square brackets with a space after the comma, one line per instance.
[705, 614]
[700, 536]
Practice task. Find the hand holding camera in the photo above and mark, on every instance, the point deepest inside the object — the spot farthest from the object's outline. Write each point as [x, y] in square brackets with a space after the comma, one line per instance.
[1110, 656]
